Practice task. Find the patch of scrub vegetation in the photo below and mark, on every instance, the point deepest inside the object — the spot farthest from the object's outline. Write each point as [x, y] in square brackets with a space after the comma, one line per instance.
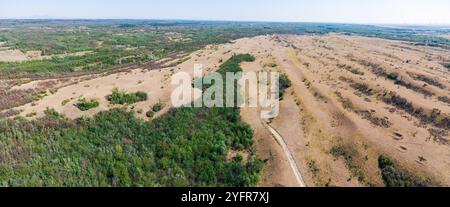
[85, 105]
[396, 77]
[377, 121]
[150, 114]
[439, 136]
[52, 113]
[65, 102]
[186, 147]
[155, 109]
[346, 103]
[427, 80]
[444, 99]
[394, 176]
[121, 97]
[399, 81]
[363, 88]
[435, 117]
[415, 88]
[351, 69]
[158, 106]
[285, 83]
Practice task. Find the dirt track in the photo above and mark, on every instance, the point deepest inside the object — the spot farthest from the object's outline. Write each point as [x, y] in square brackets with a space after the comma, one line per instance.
[287, 151]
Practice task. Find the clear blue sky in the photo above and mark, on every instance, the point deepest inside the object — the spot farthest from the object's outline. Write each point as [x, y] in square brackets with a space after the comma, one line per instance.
[344, 11]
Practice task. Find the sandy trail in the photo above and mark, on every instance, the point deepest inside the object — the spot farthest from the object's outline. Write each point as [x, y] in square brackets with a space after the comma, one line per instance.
[288, 153]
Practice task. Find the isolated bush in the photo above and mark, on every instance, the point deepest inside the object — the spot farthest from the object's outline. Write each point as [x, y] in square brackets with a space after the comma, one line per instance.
[394, 76]
[85, 105]
[52, 113]
[363, 88]
[158, 107]
[285, 83]
[150, 114]
[122, 97]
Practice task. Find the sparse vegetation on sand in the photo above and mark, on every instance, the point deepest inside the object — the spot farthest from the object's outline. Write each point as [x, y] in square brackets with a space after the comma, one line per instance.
[363, 88]
[435, 118]
[351, 69]
[396, 77]
[346, 102]
[122, 97]
[444, 99]
[427, 80]
[352, 159]
[377, 121]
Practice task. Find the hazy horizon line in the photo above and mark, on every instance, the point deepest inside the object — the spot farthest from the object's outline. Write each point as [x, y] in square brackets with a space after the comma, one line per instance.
[230, 20]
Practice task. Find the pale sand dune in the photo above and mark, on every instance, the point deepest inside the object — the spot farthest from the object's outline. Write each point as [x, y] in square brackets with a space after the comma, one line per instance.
[12, 56]
[8, 55]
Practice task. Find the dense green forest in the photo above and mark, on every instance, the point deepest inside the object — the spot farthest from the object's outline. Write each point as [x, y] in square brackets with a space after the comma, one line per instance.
[186, 147]
[122, 42]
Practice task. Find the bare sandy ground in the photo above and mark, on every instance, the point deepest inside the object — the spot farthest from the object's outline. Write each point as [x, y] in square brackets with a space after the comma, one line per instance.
[312, 121]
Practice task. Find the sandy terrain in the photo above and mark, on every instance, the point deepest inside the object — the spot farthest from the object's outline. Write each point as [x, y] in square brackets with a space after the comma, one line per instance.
[9, 55]
[321, 113]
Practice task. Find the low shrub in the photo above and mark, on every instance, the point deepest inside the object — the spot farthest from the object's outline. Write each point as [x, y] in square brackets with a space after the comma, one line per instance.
[150, 114]
[85, 105]
[285, 83]
[158, 107]
[363, 88]
[121, 97]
